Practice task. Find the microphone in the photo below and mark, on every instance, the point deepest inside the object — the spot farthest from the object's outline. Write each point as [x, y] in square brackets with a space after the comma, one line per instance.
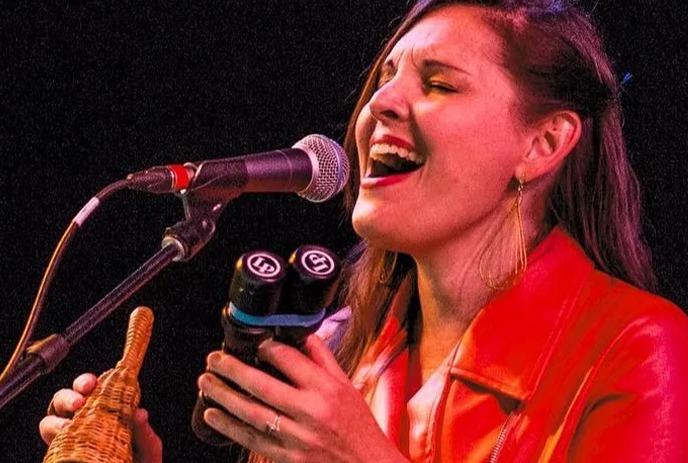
[316, 168]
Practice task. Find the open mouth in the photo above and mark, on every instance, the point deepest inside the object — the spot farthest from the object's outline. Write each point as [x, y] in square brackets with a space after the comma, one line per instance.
[388, 159]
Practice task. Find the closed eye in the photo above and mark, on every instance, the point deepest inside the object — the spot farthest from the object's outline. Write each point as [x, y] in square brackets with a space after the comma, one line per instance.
[439, 86]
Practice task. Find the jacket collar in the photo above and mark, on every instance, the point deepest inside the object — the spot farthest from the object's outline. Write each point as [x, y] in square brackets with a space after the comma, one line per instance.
[508, 343]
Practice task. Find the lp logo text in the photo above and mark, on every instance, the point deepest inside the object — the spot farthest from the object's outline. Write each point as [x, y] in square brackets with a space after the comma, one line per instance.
[264, 265]
[317, 262]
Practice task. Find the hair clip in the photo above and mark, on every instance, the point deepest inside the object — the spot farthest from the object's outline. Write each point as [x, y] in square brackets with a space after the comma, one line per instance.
[626, 79]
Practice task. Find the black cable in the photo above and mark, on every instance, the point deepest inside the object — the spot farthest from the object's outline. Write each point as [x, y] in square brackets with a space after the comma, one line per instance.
[59, 252]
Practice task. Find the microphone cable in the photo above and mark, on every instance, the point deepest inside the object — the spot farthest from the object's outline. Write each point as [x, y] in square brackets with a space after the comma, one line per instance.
[57, 255]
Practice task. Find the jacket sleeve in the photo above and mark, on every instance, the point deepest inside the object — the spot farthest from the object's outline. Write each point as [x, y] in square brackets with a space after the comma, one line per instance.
[639, 403]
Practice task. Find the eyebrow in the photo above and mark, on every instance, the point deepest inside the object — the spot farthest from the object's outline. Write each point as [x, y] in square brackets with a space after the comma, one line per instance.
[433, 63]
[428, 63]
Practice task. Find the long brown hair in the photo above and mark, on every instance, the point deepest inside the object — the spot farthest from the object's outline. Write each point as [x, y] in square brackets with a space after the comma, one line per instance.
[555, 55]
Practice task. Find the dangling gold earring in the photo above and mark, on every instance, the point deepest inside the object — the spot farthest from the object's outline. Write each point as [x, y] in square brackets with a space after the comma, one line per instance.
[387, 272]
[506, 248]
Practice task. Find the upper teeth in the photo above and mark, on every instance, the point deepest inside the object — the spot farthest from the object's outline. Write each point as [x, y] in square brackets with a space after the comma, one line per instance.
[377, 151]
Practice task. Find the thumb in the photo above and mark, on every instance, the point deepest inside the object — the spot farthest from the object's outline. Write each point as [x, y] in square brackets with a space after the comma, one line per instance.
[147, 444]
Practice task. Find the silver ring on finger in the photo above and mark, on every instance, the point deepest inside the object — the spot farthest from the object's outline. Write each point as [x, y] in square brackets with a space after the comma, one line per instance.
[273, 426]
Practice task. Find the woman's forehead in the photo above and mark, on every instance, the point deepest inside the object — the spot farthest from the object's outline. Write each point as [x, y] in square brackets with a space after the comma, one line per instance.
[454, 34]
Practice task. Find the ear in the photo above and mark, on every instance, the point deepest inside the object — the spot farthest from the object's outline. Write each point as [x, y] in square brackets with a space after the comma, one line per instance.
[554, 138]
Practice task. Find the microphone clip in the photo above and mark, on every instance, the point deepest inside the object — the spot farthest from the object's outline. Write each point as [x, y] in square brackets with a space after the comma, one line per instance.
[202, 210]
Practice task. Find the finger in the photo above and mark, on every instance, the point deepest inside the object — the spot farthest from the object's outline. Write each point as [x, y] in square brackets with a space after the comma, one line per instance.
[247, 409]
[85, 383]
[258, 384]
[301, 370]
[66, 401]
[246, 435]
[318, 351]
[147, 444]
[50, 426]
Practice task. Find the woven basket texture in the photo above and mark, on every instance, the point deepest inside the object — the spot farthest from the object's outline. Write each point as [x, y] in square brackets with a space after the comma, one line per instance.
[101, 431]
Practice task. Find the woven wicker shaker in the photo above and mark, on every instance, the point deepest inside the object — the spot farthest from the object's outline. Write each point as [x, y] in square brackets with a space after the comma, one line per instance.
[102, 430]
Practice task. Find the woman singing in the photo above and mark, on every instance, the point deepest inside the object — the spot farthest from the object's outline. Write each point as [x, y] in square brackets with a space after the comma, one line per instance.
[498, 300]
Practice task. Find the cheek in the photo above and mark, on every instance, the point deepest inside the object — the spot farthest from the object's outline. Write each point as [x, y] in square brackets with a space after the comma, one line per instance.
[477, 143]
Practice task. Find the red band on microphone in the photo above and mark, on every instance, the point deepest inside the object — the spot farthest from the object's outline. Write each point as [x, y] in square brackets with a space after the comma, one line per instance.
[181, 176]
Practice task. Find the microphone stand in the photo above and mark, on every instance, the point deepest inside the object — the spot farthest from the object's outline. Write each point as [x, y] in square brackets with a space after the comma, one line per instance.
[181, 242]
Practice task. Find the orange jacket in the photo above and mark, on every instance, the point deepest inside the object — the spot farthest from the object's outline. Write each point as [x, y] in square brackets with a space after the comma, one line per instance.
[570, 364]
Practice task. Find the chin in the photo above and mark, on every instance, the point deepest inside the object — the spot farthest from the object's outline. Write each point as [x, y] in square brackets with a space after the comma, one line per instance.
[377, 231]
[363, 223]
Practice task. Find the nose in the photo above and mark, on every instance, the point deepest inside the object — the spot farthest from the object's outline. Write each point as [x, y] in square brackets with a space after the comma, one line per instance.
[389, 103]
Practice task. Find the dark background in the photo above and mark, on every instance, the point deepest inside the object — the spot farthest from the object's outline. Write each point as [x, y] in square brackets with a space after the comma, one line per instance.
[92, 91]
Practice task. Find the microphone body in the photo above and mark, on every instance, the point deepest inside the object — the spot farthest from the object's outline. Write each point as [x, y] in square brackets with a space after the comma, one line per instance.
[315, 167]
[288, 170]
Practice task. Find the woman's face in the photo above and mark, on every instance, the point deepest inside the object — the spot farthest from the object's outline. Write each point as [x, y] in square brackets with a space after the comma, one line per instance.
[439, 141]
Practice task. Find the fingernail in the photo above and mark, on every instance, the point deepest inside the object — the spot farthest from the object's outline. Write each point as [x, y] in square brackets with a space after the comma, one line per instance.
[203, 381]
[209, 416]
[213, 358]
[80, 383]
[75, 402]
[264, 345]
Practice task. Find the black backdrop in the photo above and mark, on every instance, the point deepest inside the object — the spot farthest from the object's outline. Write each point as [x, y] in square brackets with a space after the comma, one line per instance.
[91, 91]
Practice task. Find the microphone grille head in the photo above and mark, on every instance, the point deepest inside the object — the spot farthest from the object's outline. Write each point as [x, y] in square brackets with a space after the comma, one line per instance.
[330, 169]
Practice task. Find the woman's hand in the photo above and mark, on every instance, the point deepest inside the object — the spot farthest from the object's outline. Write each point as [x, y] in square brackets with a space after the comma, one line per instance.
[321, 417]
[147, 444]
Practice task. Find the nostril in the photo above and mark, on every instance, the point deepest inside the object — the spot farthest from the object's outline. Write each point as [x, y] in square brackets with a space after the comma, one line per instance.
[387, 105]
[390, 114]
